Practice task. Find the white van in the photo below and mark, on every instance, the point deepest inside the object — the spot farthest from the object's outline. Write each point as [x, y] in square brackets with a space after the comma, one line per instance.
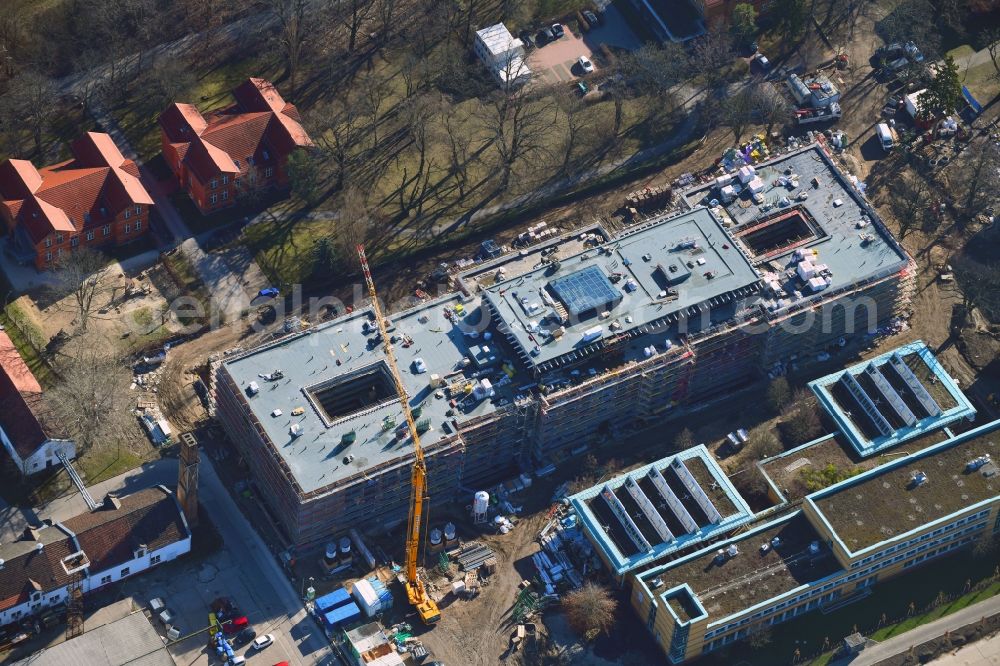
[885, 136]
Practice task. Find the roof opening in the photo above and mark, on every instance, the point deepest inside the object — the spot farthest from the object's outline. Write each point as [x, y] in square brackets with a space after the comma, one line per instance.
[354, 392]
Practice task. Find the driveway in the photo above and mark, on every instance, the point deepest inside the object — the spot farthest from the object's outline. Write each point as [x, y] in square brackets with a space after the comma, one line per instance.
[556, 61]
[244, 569]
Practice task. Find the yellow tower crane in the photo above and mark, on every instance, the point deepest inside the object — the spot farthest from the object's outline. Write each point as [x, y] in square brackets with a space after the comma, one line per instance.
[415, 590]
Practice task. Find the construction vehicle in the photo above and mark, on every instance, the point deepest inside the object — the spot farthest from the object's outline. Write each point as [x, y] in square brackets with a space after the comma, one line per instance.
[415, 590]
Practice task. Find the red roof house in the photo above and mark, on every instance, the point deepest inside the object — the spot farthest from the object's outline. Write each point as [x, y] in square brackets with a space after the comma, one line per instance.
[241, 148]
[23, 416]
[94, 199]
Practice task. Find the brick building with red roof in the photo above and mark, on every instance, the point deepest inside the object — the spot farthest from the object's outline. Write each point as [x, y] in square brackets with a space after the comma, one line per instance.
[242, 148]
[25, 428]
[95, 199]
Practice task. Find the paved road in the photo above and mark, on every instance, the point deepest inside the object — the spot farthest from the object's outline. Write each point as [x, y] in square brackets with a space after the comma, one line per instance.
[985, 652]
[244, 569]
[902, 643]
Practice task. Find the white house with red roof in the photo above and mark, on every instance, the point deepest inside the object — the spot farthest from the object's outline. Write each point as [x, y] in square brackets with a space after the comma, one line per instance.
[25, 429]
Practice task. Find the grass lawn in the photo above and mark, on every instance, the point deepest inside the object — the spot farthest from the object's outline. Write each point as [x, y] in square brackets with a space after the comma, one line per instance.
[43, 373]
[287, 257]
[102, 464]
[893, 597]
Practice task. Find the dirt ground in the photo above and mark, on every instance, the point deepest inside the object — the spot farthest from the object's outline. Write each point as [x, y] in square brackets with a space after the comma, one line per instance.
[130, 320]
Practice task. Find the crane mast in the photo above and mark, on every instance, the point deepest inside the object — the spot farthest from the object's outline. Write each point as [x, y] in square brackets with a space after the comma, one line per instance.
[415, 590]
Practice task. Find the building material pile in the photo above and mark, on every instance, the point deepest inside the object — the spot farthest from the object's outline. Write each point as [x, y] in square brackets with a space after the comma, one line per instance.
[649, 198]
[475, 555]
[563, 543]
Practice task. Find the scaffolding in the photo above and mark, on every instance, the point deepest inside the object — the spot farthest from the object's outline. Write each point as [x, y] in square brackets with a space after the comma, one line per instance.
[74, 606]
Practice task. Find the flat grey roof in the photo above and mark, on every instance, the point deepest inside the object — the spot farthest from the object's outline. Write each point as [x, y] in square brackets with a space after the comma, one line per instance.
[841, 248]
[130, 640]
[667, 268]
[316, 457]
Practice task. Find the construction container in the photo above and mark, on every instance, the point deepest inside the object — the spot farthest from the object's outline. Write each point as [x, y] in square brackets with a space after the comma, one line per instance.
[372, 596]
[335, 599]
[342, 615]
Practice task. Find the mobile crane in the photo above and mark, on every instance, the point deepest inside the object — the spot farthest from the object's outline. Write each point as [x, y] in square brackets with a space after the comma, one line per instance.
[415, 591]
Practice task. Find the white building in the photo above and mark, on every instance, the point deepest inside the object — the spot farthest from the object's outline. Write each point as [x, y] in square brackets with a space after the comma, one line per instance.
[23, 429]
[122, 537]
[503, 55]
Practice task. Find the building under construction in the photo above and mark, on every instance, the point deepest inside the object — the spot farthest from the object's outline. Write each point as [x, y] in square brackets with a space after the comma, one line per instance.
[536, 351]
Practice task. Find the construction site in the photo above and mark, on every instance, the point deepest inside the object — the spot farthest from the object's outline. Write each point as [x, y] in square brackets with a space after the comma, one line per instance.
[538, 351]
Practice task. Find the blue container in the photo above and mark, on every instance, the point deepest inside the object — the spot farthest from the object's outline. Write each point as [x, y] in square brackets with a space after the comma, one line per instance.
[342, 615]
[335, 599]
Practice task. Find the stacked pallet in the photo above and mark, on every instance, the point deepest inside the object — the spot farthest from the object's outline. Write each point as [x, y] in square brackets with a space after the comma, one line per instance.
[649, 198]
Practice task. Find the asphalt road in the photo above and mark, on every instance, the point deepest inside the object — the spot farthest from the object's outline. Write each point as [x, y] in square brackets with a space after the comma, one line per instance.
[244, 569]
[902, 643]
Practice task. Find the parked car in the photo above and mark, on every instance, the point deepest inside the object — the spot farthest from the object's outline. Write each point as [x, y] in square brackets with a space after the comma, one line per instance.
[591, 18]
[268, 292]
[558, 30]
[585, 64]
[545, 35]
[262, 642]
[244, 637]
[582, 87]
[235, 625]
[525, 37]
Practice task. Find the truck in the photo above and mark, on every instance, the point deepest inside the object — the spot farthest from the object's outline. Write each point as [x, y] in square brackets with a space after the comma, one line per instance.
[887, 137]
[817, 114]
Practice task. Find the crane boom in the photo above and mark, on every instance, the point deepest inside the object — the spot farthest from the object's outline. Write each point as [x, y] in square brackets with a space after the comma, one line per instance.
[415, 590]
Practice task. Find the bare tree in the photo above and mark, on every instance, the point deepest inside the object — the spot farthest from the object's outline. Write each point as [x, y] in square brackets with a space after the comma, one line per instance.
[909, 198]
[992, 40]
[770, 107]
[336, 252]
[295, 30]
[737, 112]
[977, 178]
[518, 124]
[32, 95]
[374, 92]
[453, 121]
[684, 439]
[173, 77]
[92, 400]
[85, 274]
[656, 70]
[712, 56]
[356, 12]
[590, 610]
[385, 12]
[778, 394]
[338, 132]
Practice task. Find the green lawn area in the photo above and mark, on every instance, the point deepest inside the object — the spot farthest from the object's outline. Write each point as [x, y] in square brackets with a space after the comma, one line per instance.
[963, 51]
[286, 257]
[102, 464]
[43, 373]
[920, 586]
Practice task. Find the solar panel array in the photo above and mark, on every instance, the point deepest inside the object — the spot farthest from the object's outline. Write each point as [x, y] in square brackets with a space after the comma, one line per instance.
[587, 290]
